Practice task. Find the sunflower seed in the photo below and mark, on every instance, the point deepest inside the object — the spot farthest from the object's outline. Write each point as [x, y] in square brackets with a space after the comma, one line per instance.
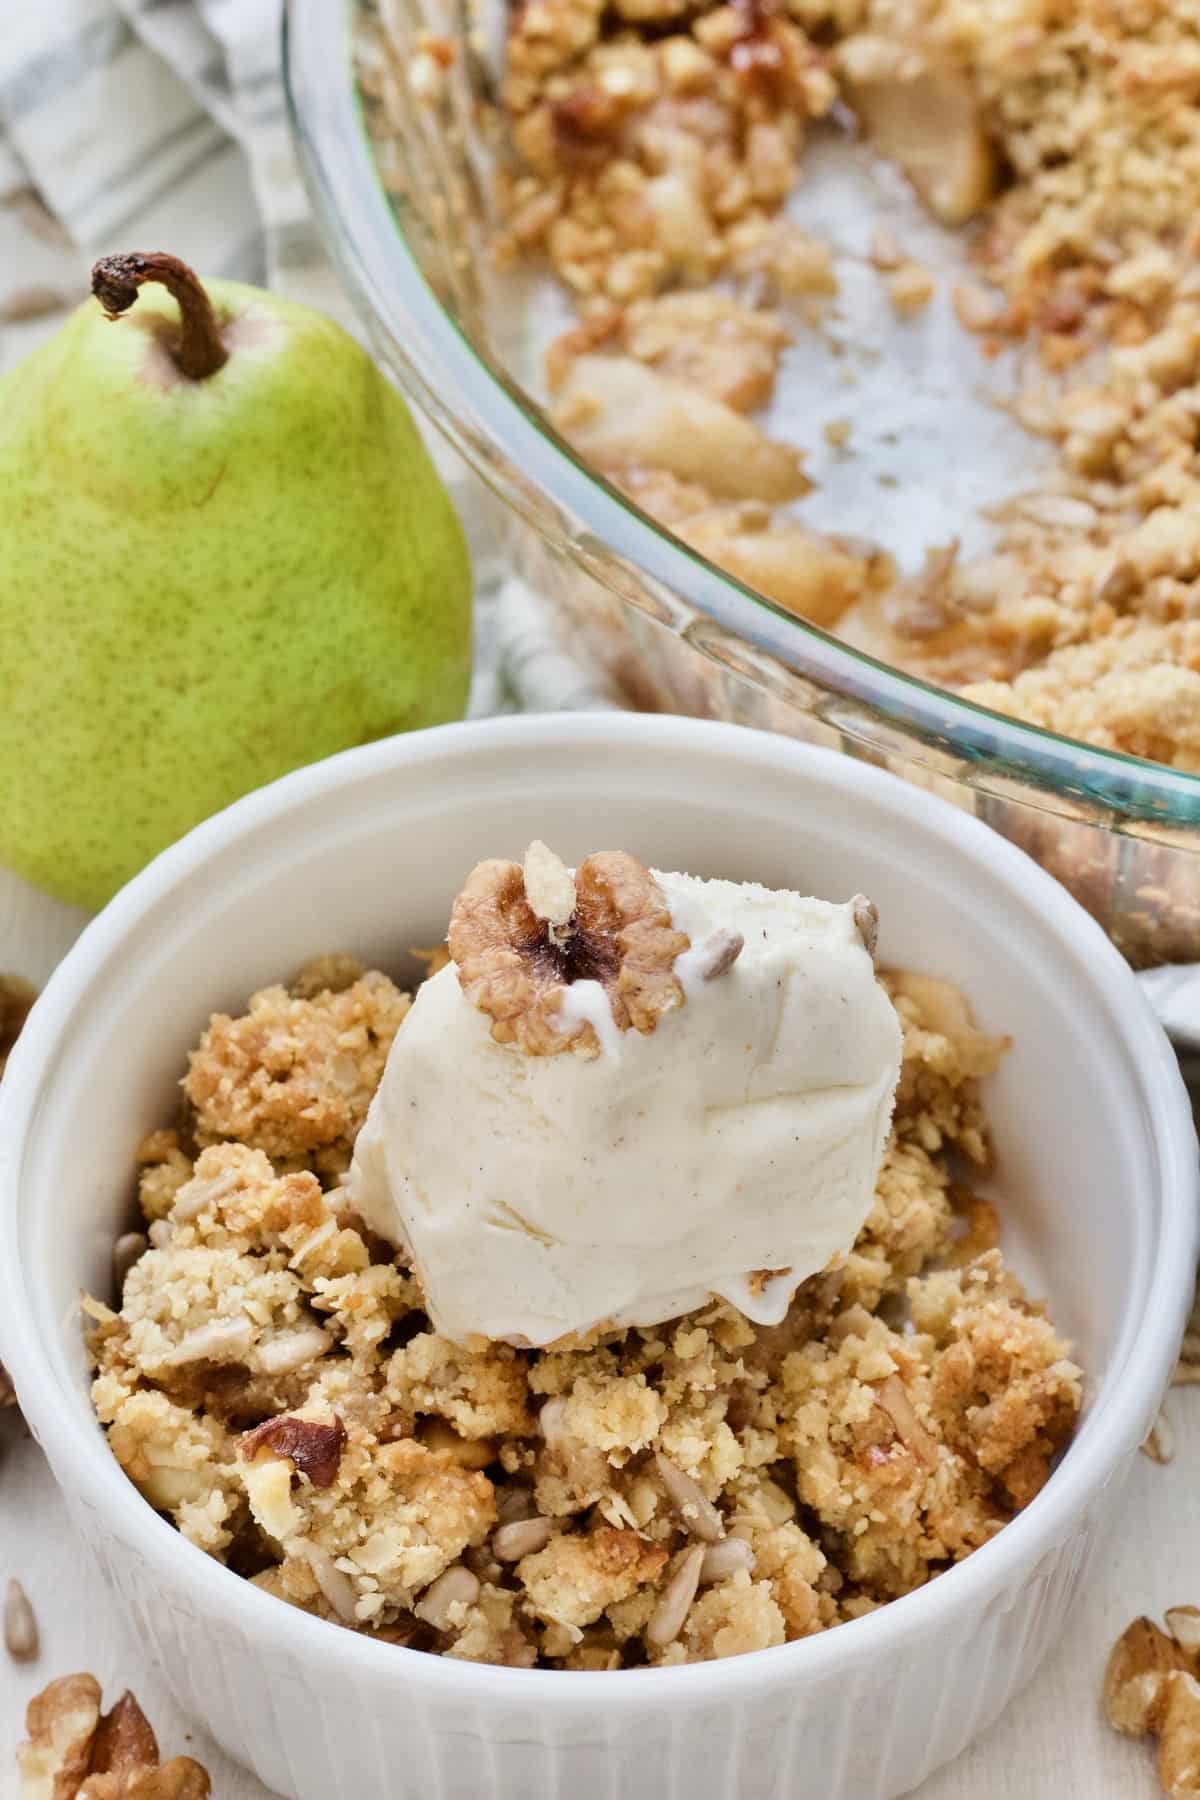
[666, 1621]
[725, 1559]
[719, 953]
[20, 1625]
[333, 1582]
[696, 1512]
[457, 1587]
[866, 917]
[524, 1537]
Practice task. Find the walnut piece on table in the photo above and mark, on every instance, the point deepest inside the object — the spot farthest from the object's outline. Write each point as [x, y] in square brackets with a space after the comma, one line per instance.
[76, 1752]
[1151, 1689]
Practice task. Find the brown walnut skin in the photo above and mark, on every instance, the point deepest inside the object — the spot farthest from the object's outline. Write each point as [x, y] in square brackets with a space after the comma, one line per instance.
[315, 1448]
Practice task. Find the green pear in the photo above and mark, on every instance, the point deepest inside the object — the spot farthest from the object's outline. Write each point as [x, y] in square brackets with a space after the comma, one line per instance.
[224, 552]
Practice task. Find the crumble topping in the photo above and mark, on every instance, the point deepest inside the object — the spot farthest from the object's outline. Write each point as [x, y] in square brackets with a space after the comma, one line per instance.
[659, 1495]
[295, 1075]
[655, 144]
[648, 154]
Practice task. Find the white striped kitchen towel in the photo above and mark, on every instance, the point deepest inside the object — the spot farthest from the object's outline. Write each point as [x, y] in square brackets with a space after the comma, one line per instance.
[147, 122]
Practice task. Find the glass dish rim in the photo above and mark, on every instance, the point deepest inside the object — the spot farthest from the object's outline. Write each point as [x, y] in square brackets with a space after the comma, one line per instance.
[392, 294]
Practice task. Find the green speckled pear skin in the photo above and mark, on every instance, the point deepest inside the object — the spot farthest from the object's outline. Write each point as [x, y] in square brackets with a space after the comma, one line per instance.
[206, 584]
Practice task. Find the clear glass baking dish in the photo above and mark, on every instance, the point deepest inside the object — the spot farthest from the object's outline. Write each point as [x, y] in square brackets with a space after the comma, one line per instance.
[402, 192]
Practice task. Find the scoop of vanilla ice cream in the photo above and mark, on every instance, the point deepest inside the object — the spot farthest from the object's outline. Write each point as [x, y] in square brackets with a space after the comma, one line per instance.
[542, 1195]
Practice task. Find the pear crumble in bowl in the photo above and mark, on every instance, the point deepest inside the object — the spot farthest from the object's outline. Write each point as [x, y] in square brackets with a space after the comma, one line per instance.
[666, 1493]
[652, 1426]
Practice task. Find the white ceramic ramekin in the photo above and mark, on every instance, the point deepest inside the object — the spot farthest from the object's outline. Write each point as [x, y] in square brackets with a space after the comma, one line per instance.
[1097, 1172]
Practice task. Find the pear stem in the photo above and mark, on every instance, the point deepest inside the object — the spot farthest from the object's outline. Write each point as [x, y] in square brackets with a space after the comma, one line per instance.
[115, 283]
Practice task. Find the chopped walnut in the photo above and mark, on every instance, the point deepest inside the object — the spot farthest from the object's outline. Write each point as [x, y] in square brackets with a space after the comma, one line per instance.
[1151, 1689]
[517, 968]
[1179, 1736]
[314, 1446]
[76, 1752]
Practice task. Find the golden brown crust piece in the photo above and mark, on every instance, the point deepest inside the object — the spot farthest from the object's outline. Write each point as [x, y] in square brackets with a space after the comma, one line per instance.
[516, 967]
[294, 1075]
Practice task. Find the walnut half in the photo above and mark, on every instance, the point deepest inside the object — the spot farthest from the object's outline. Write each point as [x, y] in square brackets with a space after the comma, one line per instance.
[521, 937]
[76, 1752]
[1150, 1688]
[314, 1447]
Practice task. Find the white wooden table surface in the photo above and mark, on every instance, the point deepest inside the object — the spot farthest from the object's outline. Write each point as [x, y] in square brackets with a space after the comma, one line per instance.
[1051, 1745]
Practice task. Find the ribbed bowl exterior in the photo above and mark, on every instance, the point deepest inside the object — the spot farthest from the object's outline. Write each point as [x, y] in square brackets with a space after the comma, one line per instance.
[868, 1733]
